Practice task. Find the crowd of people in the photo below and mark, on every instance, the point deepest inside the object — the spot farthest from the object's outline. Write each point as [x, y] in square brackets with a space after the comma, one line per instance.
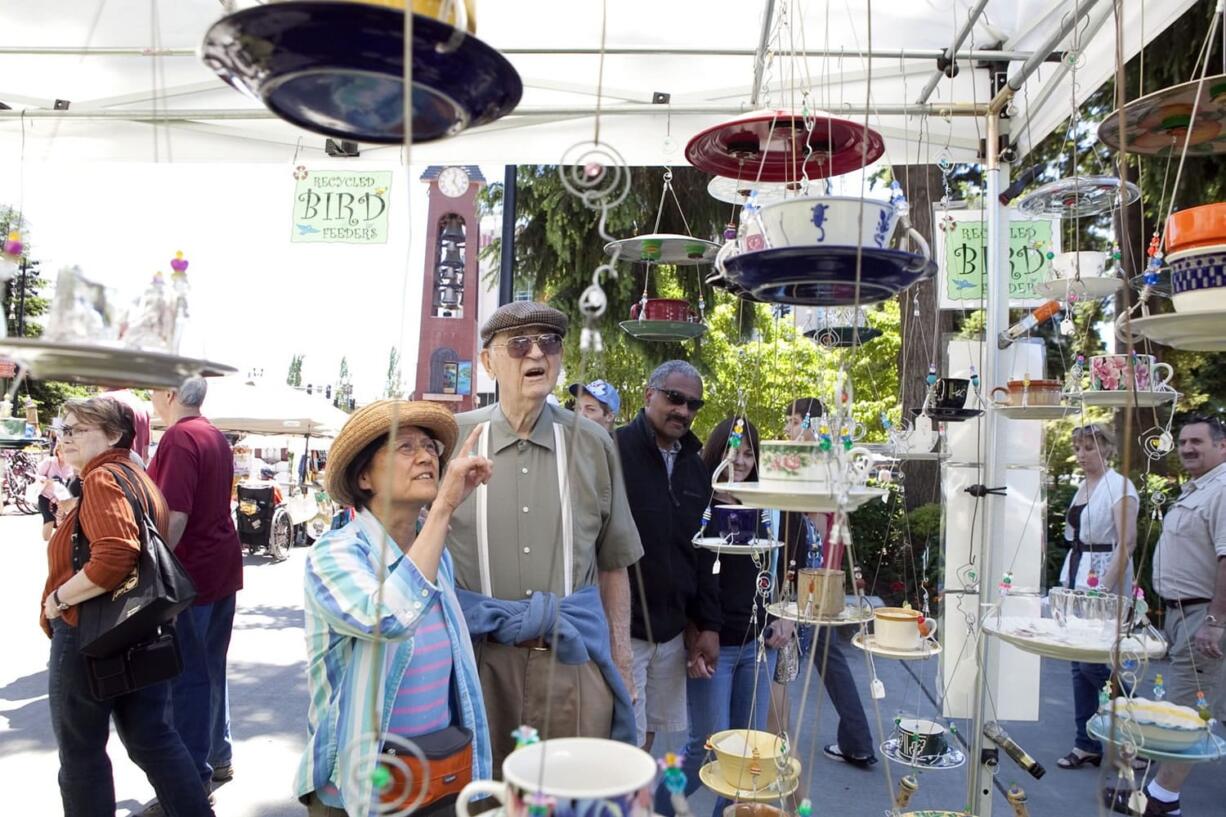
[520, 564]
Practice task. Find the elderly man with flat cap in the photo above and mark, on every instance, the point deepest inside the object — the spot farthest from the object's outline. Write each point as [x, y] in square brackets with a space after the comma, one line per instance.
[541, 556]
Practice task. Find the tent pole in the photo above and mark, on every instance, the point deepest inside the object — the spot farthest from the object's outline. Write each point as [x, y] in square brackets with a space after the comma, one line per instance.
[1036, 59]
[759, 57]
[948, 57]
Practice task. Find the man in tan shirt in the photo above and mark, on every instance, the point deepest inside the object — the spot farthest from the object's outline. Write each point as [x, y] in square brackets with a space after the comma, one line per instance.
[549, 536]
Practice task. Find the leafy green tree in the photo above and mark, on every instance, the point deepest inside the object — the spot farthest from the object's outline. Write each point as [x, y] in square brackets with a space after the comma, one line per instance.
[395, 382]
[294, 376]
[343, 392]
[23, 305]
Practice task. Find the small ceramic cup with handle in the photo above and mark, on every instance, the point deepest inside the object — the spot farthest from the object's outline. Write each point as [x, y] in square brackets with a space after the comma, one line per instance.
[901, 628]
[581, 777]
[1110, 373]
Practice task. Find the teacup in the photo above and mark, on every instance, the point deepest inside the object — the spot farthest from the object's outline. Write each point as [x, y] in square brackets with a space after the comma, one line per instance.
[844, 221]
[819, 592]
[665, 309]
[783, 463]
[735, 523]
[1079, 264]
[1198, 282]
[914, 436]
[1196, 227]
[1110, 373]
[747, 757]
[901, 628]
[920, 738]
[951, 392]
[1029, 393]
[581, 776]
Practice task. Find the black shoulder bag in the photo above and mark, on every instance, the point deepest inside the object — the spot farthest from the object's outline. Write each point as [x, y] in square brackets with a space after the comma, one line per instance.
[157, 589]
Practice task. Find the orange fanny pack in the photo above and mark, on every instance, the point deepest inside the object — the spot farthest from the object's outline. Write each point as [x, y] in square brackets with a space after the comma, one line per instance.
[449, 756]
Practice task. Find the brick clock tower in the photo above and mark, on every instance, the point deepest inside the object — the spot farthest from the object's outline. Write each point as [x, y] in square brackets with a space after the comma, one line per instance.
[448, 350]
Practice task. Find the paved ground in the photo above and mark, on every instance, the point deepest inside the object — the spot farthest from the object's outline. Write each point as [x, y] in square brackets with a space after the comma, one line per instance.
[268, 691]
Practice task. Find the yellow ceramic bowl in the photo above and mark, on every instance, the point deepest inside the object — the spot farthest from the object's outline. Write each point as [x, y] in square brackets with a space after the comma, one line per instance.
[431, 8]
[1160, 725]
[747, 757]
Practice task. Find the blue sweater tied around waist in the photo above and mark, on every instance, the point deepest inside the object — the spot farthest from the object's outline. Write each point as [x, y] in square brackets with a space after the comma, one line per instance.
[582, 635]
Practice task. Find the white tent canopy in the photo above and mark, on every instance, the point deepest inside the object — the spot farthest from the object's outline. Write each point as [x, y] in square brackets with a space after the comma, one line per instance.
[237, 404]
[701, 53]
[265, 442]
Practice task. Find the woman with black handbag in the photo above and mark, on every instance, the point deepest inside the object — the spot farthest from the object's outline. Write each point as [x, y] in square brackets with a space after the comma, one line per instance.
[97, 440]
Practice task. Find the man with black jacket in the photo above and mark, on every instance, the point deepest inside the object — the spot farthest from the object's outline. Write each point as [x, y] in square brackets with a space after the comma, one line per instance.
[675, 618]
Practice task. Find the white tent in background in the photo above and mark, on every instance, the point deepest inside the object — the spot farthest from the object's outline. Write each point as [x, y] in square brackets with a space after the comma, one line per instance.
[240, 405]
[265, 442]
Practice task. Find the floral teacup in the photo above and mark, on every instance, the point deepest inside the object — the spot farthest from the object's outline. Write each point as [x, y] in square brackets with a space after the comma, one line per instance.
[784, 463]
[1110, 373]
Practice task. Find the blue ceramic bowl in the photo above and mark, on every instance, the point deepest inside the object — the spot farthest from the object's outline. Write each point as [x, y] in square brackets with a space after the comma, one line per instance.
[735, 521]
[336, 68]
[1198, 282]
[826, 276]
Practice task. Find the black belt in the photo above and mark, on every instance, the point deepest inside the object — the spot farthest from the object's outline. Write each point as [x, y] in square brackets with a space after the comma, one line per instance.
[1170, 603]
[1100, 547]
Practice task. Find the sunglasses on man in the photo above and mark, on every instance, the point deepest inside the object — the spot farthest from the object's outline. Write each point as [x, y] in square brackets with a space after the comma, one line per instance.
[679, 399]
[520, 345]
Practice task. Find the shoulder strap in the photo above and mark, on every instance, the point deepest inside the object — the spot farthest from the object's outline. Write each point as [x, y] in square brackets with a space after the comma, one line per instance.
[140, 511]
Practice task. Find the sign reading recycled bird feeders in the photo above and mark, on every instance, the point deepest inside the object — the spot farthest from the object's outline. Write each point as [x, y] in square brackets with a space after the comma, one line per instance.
[961, 253]
[341, 206]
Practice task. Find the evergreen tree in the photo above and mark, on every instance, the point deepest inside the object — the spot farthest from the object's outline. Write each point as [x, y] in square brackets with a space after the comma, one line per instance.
[395, 384]
[294, 376]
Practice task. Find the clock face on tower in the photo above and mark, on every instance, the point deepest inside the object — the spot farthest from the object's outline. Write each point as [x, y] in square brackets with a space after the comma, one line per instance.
[453, 181]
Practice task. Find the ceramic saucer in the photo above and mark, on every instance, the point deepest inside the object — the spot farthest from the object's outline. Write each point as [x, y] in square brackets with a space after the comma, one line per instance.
[1125, 399]
[106, 365]
[1193, 331]
[661, 331]
[738, 191]
[1034, 412]
[1157, 124]
[724, 548]
[1079, 197]
[664, 248]
[35, 444]
[946, 415]
[1045, 637]
[1211, 748]
[951, 758]
[1088, 288]
[803, 497]
[775, 146]
[337, 68]
[826, 276]
[868, 642]
[713, 779]
[1162, 287]
[849, 615]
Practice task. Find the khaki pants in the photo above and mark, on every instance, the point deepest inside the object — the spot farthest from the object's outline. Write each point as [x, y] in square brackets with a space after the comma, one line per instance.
[1190, 670]
[516, 685]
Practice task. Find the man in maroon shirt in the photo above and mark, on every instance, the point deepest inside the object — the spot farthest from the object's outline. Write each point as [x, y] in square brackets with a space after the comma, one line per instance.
[194, 467]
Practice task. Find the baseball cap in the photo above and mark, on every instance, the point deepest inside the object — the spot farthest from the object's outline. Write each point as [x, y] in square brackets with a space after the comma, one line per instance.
[602, 391]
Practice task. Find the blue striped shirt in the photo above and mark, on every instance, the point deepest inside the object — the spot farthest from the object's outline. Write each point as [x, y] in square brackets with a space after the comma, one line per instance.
[358, 583]
[423, 702]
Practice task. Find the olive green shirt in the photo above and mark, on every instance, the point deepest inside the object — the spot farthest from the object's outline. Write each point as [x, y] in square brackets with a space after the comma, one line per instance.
[524, 507]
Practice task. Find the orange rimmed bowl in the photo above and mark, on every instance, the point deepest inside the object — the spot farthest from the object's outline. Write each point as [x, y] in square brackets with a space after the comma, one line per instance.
[1196, 227]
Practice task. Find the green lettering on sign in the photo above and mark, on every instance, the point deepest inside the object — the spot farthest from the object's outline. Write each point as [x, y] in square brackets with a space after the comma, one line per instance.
[341, 206]
[966, 249]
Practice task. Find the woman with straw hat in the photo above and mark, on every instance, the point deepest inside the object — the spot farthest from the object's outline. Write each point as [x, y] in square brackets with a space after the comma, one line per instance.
[389, 659]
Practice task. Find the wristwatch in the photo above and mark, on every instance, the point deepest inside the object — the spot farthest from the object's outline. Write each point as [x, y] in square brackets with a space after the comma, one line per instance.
[59, 605]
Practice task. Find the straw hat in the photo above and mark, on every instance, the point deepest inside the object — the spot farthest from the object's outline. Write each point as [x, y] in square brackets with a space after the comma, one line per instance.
[373, 422]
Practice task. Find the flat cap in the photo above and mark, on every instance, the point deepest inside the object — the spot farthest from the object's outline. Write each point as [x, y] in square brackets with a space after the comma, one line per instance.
[520, 315]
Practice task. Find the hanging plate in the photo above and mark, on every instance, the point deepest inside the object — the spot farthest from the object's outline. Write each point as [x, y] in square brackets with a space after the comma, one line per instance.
[1079, 197]
[770, 146]
[665, 248]
[1193, 331]
[714, 780]
[1043, 636]
[850, 615]
[1035, 412]
[106, 366]
[1211, 747]
[803, 497]
[662, 331]
[1124, 399]
[34, 444]
[1090, 287]
[841, 337]
[336, 68]
[1157, 124]
[718, 281]
[945, 415]
[826, 276]
[734, 191]
[724, 548]
[951, 758]
[868, 643]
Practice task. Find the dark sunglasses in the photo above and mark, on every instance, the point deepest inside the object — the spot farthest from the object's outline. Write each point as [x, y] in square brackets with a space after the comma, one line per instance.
[679, 399]
[520, 345]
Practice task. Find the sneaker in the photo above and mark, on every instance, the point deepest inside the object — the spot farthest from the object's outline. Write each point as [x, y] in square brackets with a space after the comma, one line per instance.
[223, 773]
[154, 808]
[835, 753]
[1117, 800]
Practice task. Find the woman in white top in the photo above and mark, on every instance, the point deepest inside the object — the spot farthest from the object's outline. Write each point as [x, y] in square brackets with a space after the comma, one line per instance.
[1101, 529]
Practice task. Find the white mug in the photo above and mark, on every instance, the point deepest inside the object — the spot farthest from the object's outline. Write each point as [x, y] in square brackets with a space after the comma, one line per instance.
[898, 628]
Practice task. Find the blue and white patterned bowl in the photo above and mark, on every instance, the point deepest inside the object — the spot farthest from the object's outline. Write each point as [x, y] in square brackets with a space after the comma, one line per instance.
[810, 221]
[1198, 282]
